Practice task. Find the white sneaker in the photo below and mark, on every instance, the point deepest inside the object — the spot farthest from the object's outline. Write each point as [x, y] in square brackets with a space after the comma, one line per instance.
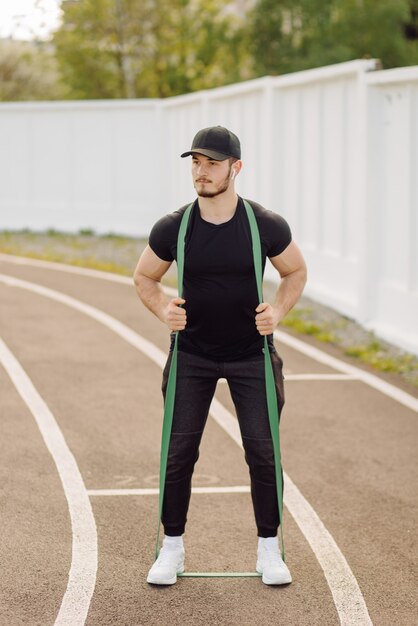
[170, 562]
[270, 563]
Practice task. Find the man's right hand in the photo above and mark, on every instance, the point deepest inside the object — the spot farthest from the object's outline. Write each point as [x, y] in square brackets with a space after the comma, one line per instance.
[175, 316]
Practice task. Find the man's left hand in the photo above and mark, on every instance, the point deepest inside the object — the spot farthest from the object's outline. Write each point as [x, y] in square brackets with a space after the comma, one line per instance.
[266, 319]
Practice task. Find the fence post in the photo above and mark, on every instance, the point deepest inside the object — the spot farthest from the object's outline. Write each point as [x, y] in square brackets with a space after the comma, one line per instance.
[366, 262]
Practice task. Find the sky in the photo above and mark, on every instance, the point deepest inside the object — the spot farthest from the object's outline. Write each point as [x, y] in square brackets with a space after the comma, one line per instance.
[28, 19]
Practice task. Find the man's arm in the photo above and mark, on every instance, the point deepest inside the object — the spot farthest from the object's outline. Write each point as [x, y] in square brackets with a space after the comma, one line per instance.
[292, 268]
[147, 276]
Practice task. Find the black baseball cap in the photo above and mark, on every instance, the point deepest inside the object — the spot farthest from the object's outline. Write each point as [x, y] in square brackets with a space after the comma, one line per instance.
[215, 142]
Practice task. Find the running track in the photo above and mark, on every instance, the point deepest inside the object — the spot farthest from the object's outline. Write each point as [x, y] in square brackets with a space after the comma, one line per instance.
[80, 433]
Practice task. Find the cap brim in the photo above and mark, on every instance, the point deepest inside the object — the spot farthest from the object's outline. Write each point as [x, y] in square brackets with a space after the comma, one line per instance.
[216, 156]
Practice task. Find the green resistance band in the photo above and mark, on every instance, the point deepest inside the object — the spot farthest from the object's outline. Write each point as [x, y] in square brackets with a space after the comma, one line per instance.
[272, 406]
[220, 575]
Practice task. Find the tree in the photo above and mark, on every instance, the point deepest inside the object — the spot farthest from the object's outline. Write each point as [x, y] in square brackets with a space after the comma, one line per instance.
[28, 71]
[374, 28]
[147, 48]
[91, 48]
[287, 36]
[411, 26]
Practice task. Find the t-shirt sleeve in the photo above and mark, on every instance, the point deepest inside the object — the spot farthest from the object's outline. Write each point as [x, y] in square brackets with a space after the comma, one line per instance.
[276, 233]
[162, 236]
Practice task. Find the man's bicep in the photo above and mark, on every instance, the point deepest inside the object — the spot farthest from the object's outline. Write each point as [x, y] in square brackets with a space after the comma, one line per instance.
[151, 266]
[289, 261]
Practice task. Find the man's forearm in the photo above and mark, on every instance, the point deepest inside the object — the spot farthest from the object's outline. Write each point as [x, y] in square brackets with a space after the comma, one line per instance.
[289, 292]
[152, 295]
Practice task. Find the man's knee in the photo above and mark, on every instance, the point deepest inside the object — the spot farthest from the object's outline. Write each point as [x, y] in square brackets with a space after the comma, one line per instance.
[259, 454]
[182, 455]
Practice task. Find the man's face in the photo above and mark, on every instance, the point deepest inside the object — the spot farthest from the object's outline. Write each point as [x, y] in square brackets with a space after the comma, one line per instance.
[210, 178]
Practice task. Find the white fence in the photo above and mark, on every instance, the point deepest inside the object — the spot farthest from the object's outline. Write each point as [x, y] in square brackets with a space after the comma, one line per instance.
[333, 149]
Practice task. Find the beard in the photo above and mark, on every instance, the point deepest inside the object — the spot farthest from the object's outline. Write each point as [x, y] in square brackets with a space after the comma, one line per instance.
[222, 187]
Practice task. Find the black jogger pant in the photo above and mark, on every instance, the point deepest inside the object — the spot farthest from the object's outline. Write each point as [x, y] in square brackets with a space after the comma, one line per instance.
[196, 383]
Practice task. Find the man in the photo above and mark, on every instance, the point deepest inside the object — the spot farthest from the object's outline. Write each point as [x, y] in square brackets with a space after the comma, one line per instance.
[221, 328]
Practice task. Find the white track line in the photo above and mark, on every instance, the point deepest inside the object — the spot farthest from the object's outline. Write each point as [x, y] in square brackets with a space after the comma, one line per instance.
[369, 379]
[69, 269]
[82, 576]
[155, 492]
[122, 330]
[348, 599]
[343, 377]
[314, 353]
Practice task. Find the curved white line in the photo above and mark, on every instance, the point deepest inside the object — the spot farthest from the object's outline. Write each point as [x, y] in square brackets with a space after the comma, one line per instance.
[62, 267]
[82, 577]
[297, 344]
[348, 599]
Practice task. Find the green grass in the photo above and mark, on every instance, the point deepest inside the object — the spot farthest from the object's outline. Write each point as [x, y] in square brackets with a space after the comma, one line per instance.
[108, 253]
[299, 320]
[374, 354]
[89, 262]
[378, 355]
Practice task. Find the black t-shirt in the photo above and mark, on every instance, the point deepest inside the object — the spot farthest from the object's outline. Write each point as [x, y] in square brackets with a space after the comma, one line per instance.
[219, 283]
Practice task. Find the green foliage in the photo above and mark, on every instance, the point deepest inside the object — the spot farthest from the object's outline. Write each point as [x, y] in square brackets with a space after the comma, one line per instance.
[117, 254]
[159, 48]
[28, 71]
[411, 25]
[286, 35]
[156, 48]
[301, 321]
[374, 354]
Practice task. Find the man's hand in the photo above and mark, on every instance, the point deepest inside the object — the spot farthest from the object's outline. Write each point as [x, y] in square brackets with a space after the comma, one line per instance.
[175, 316]
[266, 319]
